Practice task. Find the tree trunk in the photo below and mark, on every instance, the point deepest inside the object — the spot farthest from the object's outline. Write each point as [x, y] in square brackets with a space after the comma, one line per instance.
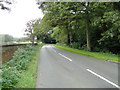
[68, 35]
[88, 31]
[68, 41]
[32, 40]
[71, 37]
[88, 38]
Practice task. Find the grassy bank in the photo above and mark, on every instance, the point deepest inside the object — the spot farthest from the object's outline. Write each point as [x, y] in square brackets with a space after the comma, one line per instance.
[28, 79]
[97, 55]
[20, 72]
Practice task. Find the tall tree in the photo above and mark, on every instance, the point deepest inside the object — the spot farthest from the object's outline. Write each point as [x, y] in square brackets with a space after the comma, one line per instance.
[30, 30]
[99, 20]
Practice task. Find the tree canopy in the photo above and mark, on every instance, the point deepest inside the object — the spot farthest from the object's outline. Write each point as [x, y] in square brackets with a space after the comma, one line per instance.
[94, 26]
[4, 3]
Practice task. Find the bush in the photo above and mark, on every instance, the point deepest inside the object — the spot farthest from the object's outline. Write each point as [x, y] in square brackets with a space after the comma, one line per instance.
[84, 47]
[11, 70]
[21, 58]
[22, 64]
[75, 45]
[10, 76]
[0, 79]
[9, 64]
[96, 49]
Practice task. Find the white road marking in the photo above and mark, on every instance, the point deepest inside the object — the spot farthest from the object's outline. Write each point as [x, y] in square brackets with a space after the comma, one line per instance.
[103, 78]
[65, 57]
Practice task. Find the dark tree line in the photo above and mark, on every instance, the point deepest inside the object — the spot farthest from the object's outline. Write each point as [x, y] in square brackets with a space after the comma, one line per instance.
[93, 26]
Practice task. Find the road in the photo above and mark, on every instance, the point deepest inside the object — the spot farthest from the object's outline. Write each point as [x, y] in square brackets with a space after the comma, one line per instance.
[62, 69]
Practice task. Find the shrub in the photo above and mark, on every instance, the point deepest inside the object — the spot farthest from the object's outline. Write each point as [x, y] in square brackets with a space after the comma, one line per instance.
[96, 49]
[75, 45]
[10, 76]
[84, 47]
[22, 64]
[9, 64]
[0, 79]
[11, 70]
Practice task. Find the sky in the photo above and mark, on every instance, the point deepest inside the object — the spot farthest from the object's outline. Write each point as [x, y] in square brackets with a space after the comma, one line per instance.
[14, 22]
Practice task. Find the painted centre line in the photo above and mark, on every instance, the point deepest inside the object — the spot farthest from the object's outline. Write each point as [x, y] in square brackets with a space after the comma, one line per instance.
[103, 78]
[65, 57]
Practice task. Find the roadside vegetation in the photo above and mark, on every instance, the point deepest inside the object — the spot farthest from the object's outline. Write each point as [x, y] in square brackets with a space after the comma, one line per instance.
[97, 55]
[8, 39]
[28, 78]
[92, 26]
[21, 70]
[86, 28]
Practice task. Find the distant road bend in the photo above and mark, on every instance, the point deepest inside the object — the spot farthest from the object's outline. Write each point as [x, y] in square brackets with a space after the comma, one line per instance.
[62, 69]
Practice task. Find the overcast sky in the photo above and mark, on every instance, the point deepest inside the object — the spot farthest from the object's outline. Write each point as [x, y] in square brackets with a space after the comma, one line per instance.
[13, 23]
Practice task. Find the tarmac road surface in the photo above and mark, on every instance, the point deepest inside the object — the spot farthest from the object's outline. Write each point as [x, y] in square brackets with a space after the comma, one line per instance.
[62, 69]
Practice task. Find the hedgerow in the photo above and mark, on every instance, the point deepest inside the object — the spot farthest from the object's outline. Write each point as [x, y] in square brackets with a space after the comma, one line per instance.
[11, 71]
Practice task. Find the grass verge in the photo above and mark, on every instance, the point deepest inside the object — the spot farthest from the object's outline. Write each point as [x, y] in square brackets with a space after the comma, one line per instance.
[97, 55]
[28, 77]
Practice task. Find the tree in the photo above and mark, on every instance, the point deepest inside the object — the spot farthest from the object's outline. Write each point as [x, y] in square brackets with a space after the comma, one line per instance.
[84, 24]
[30, 30]
[7, 38]
[41, 29]
[3, 2]
[68, 14]
[59, 18]
[111, 36]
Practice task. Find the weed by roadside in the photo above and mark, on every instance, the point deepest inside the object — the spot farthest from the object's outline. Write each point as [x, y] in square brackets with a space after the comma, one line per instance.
[28, 77]
[11, 71]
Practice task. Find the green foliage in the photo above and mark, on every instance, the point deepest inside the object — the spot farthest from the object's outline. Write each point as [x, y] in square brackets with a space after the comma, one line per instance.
[7, 38]
[55, 34]
[97, 55]
[31, 31]
[91, 25]
[28, 78]
[110, 37]
[10, 76]
[75, 45]
[59, 35]
[11, 72]
[23, 39]
[42, 30]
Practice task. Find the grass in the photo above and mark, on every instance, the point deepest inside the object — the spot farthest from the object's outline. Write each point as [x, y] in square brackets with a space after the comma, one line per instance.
[28, 79]
[97, 55]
